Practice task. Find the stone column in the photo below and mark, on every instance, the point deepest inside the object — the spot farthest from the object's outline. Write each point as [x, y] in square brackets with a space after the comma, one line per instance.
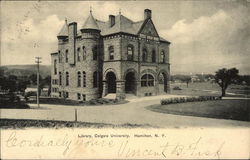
[138, 87]
[104, 88]
[120, 90]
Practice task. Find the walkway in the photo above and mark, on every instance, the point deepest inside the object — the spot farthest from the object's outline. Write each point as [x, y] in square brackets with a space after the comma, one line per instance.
[133, 112]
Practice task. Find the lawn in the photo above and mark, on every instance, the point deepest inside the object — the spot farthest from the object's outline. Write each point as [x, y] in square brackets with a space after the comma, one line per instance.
[210, 89]
[221, 109]
[28, 123]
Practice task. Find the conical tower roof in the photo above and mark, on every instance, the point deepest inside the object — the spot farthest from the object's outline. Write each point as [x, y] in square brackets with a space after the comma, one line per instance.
[64, 31]
[90, 23]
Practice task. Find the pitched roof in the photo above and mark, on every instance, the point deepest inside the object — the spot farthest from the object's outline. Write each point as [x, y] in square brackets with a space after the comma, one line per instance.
[122, 24]
[64, 30]
[90, 23]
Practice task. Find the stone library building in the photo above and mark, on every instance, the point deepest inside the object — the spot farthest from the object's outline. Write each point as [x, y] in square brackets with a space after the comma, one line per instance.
[118, 56]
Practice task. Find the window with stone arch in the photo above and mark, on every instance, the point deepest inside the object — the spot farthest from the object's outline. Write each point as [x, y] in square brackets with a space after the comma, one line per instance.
[153, 56]
[111, 53]
[94, 51]
[66, 56]
[147, 80]
[162, 60]
[95, 79]
[78, 79]
[78, 54]
[84, 79]
[55, 67]
[84, 53]
[144, 55]
[130, 53]
[60, 78]
[67, 79]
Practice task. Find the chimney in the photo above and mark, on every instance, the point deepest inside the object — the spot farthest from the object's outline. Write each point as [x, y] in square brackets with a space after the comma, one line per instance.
[72, 42]
[147, 14]
[111, 20]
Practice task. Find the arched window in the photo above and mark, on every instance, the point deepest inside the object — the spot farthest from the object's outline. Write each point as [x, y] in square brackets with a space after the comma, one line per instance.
[66, 56]
[67, 78]
[130, 53]
[60, 78]
[95, 79]
[78, 54]
[153, 56]
[78, 79]
[144, 55]
[84, 79]
[94, 50]
[83, 53]
[59, 56]
[111, 53]
[162, 60]
[147, 80]
[55, 68]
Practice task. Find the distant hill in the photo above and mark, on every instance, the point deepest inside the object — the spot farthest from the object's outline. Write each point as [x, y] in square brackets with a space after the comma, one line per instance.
[25, 70]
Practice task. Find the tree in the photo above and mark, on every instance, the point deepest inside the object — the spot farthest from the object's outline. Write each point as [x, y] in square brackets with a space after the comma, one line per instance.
[224, 77]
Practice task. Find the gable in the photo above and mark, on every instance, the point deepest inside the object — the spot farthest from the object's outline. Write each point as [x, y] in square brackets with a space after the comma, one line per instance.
[148, 29]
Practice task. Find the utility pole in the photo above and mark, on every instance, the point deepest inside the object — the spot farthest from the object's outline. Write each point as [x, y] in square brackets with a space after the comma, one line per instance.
[38, 75]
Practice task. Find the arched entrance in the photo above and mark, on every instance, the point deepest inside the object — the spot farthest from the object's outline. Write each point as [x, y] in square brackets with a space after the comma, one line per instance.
[111, 82]
[162, 79]
[130, 83]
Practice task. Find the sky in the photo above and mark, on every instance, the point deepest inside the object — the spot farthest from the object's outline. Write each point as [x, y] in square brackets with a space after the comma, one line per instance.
[205, 35]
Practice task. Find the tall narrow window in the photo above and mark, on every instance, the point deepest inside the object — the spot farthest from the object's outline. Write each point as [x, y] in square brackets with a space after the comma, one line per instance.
[60, 78]
[84, 97]
[78, 96]
[67, 78]
[55, 68]
[95, 79]
[78, 54]
[84, 79]
[78, 79]
[162, 57]
[147, 80]
[94, 50]
[144, 55]
[59, 57]
[66, 56]
[111, 53]
[130, 53]
[153, 56]
[83, 53]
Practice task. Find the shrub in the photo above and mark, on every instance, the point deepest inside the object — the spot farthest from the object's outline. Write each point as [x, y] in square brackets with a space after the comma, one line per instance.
[188, 99]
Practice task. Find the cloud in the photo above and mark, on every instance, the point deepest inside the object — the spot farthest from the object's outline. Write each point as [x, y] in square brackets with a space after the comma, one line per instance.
[219, 40]
[31, 39]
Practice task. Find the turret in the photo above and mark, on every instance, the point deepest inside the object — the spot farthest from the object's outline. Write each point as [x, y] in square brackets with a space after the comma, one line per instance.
[64, 32]
[90, 28]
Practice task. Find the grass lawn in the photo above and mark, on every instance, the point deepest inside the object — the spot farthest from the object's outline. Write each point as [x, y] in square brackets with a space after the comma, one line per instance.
[221, 109]
[209, 89]
[28, 123]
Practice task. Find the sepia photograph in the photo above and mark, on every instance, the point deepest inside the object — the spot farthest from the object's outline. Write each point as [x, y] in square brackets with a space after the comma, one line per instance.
[125, 79]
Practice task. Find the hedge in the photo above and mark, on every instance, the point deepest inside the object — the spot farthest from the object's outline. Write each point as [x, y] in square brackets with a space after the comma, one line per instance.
[188, 99]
